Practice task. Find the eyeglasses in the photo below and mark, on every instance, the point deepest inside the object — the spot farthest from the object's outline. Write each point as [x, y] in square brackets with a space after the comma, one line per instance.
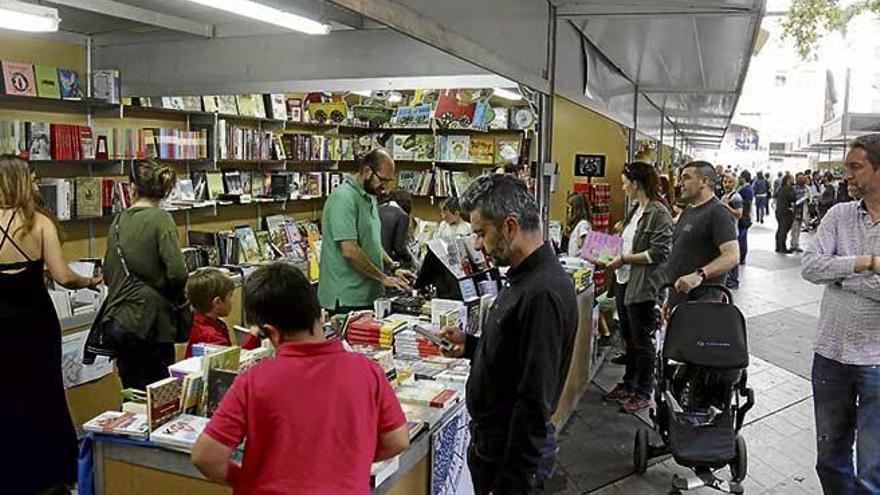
[383, 180]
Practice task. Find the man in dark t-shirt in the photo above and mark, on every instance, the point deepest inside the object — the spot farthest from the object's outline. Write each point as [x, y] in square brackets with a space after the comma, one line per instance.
[704, 246]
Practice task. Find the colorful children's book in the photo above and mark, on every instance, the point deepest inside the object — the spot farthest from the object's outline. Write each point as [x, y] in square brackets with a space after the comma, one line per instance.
[18, 79]
[218, 383]
[225, 359]
[71, 86]
[482, 150]
[506, 150]
[180, 433]
[47, 82]
[250, 249]
[602, 247]
[118, 423]
[226, 105]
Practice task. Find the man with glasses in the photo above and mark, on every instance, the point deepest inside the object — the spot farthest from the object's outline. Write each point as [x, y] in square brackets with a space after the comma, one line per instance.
[352, 259]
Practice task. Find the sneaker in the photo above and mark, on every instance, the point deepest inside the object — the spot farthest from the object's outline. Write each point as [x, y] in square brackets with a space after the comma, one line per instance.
[635, 403]
[797, 250]
[619, 359]
[620, 393]
[604, 341]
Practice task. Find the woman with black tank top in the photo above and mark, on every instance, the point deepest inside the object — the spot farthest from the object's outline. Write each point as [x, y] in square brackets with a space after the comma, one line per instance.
[42, 455]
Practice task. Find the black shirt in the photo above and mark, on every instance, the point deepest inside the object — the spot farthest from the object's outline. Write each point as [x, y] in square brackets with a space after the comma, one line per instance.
[395, 225]
[785, 200]
[520, 364]
[698, 235]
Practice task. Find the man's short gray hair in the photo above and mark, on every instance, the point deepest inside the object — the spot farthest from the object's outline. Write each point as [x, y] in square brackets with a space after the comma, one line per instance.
[871, 144]
[498, 196]
[705, 170]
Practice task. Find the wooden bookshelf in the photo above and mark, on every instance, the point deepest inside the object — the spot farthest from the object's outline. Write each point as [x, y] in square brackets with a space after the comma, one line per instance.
[51, 105]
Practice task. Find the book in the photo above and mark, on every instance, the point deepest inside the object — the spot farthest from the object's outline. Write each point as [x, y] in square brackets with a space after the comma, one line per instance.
[424, 148]
[427, 393]
[192, 103]
[250, 249]
[218, 383]
[599, 246]
[163, 401]
[456, 149]
[294, 109]
[89, 197]
[506, 150]
[39, 141]
[86, 143]
[223, 359]
[227, 105]
[118, 423]
[70, 84]
[247, 105]
[381, 471]
[47, 82]
[276, 106]
[259, 106]
[215, 184]
[185, 191]
[500, 118]
[210, 103]
[18, 79]
[199, 181]
[233, 182]
[106, 85]
[180, 433]
[482, 150]
[402, 146]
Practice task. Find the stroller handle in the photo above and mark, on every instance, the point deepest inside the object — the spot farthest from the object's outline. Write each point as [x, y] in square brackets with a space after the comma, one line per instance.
[699, 289]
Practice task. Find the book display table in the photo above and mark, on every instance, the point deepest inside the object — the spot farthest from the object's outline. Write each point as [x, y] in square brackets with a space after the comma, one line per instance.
[584, 359]
[131, 467]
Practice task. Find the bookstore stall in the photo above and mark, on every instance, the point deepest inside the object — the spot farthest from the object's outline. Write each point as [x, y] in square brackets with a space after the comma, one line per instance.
[253, 169]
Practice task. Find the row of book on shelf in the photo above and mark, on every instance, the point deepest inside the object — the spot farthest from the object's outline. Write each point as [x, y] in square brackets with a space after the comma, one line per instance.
[455, 148]
[43, 81]
[43, 141]
[439, 182]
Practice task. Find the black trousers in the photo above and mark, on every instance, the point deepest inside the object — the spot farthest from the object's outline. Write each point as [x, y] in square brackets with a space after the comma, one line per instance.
[144, 364]
[638, 322]
[485, 455]
[785, 220]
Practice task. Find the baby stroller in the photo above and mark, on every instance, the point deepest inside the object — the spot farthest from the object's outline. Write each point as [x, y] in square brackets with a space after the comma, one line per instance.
[701, 379]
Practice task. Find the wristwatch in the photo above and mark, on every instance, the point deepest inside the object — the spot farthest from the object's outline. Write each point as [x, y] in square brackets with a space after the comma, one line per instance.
[702, 273]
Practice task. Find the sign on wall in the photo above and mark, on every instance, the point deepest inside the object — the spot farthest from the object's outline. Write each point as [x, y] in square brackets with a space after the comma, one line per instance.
[589, 165]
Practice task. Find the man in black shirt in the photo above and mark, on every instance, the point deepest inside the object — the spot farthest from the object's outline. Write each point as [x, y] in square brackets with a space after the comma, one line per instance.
[704, 245]
[520, 363]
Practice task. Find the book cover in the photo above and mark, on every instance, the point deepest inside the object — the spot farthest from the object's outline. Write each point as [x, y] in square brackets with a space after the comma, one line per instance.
[258, 184]
[70, 84]
[259, 106]
[180, 433]
[218, 382]
[88, 197]
[250, 249]
[186, 191]
[482, 150]
[86, 143]
[47, 82]
[223, 359]
[119, 423]
[232, 181]
[200, 185]
[500, 119]
[506, 150]
[18, 79]
[294, 109]
[106, 85]
[215, 184]
[227, 105]
[163, 401]
[209, 103]
[39, 141]
[424, 148]
[276, 106]
[403, 146]
[599, 246]
[247, 105]
[458, 148]
[427, 393]
[192, 103]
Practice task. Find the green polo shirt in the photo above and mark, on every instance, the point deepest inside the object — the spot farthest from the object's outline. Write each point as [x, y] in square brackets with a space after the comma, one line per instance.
[349, 214]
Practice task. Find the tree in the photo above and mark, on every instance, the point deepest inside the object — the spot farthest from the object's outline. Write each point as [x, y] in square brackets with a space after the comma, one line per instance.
[808, 21]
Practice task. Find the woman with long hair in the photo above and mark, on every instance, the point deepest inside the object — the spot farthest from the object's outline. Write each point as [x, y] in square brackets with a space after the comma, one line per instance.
[647, 240]
[577, 223]
[40, 438]
[146, 237]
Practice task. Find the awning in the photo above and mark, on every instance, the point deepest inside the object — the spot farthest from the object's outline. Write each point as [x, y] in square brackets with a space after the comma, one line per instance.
[688, 59]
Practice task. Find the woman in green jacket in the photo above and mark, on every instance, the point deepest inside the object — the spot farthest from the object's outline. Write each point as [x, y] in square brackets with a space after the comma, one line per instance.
[647, 240]
[147, 239]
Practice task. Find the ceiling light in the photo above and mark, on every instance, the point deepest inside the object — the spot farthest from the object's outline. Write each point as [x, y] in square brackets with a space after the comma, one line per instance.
[364, 93]
[507, 94]
[395, 97]
[21, 16]
[264, 13]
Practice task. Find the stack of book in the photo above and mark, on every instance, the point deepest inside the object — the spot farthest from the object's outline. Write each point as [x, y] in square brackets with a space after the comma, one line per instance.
[408, 343]
[123, 424]
[243, 143]
[181, 433]
[367, 330]
[427, 393]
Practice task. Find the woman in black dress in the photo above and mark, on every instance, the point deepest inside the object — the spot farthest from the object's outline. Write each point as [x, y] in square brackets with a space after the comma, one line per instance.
[42, 455]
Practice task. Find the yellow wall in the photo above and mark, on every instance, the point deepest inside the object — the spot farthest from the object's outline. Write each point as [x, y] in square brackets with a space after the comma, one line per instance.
[578, 130]
[42, 51]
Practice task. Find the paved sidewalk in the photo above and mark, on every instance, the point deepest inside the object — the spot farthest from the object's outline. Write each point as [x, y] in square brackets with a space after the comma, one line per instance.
[781, 311]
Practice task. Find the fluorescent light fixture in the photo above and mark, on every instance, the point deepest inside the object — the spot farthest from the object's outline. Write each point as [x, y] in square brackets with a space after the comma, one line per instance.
[395, 97]
[270, 15]
[20, 16]
[507, 94]
[364, 93]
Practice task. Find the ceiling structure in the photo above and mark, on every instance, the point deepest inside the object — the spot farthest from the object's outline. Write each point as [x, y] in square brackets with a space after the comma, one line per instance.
[688, 59]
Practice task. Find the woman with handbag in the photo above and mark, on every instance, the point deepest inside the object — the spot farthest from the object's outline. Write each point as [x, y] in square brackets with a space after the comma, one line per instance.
[42, 455]
[146, 273]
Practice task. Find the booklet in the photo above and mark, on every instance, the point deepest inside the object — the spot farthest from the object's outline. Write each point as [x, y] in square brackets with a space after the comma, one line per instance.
[602, 247]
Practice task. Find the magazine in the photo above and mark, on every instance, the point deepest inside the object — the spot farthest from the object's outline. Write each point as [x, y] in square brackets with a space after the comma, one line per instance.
[601, 247]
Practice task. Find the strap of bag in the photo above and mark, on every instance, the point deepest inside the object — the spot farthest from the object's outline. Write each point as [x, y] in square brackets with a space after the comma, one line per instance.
[119, 248]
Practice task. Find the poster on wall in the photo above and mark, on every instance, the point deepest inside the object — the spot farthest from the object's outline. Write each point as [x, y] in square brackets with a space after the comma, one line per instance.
[449, 469]
[589, 165]
[73, 371]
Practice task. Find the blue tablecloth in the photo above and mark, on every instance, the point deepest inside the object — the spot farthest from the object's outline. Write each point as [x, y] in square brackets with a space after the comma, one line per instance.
[86, 475]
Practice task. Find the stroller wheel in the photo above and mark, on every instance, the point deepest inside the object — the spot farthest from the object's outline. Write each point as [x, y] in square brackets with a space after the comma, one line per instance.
[739, 466]
[640, 451]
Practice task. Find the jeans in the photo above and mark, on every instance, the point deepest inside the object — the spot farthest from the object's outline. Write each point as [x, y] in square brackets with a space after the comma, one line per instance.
[761, 207]
[638, 322]
[785, 220]
[743, 238]
[485, 457]
[796, 233]
[847, 403]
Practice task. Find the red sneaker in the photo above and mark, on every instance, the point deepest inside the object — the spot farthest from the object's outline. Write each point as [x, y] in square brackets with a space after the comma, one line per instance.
[619, 394]
[635, 403]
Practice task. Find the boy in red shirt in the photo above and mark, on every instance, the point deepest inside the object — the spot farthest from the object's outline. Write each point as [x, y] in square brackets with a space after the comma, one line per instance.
[209, 292]
[315, 416]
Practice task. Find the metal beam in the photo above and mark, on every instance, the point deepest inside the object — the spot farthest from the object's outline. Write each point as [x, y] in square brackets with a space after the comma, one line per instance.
[587, 11]
[685, 90]
[699, 127]
[698, 135]
[412, 23]
[144, 16]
